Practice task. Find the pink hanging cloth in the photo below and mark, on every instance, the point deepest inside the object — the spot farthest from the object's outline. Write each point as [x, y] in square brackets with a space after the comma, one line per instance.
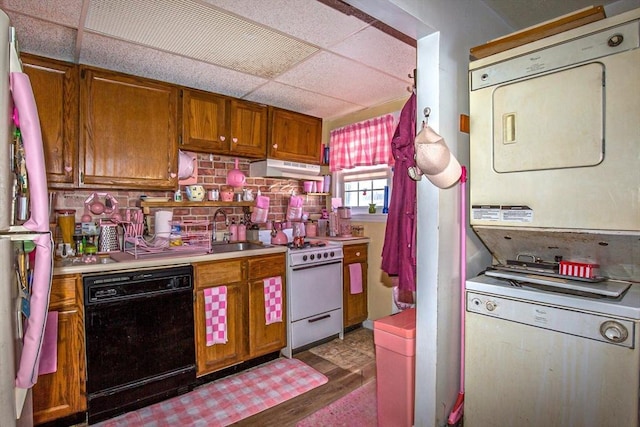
[215, 315]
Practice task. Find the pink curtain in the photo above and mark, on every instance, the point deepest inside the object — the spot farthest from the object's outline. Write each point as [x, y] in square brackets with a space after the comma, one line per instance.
[364, 143]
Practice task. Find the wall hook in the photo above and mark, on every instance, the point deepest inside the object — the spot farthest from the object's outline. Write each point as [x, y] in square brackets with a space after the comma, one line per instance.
[427, 112]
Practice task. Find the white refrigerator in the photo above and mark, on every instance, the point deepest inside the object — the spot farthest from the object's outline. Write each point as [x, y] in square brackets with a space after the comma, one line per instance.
[26, 256]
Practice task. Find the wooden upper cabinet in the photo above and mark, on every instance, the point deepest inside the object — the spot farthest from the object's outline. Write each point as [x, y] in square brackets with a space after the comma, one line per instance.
[204, 122]
[248, 129]
[129, 137]
[55, 88]
[221, 125]
[294, 136]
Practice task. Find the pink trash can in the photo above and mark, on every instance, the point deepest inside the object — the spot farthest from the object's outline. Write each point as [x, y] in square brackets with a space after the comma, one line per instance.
[395, 340]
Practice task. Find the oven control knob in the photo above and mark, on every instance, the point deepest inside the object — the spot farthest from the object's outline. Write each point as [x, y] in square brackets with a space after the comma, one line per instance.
[332, 254]
[304, 257]
[491, 305]
[312, 256]
[326, 255]
[613, 331]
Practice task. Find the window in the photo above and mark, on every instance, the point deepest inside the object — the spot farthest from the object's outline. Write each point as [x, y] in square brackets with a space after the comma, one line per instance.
[362, 186]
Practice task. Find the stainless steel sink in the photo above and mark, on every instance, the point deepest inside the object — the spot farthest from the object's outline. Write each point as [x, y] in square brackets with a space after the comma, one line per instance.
[234, 247]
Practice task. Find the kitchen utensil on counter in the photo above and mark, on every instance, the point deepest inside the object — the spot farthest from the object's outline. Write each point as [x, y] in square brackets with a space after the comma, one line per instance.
[344, 222]
[277, 235]
[312, 229]
[162, 223]
[235, 177]
[108, 238]
[67, 224]
[195, 193]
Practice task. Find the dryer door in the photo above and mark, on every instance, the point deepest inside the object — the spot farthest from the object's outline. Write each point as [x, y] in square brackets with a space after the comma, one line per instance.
[551, 121]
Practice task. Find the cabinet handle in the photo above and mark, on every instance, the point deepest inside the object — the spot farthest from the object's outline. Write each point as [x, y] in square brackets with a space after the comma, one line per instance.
[357, 253]
[172, 175]
[235, 140]
[275, 146]
[68, 168]
[222, 138]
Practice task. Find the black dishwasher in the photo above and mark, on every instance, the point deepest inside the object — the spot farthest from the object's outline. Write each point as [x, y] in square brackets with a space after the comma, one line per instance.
[139, 338]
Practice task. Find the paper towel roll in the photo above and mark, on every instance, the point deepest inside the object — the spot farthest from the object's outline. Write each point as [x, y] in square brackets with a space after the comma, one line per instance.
[162, 223]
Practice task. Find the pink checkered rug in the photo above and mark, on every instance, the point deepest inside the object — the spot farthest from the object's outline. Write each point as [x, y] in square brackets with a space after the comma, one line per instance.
[228, 400]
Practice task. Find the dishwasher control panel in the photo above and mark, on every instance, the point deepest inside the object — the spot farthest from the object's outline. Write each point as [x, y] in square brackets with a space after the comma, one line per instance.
[562, 320]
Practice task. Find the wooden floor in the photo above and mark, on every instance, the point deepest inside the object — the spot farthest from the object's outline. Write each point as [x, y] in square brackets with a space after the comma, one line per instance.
[341, 382]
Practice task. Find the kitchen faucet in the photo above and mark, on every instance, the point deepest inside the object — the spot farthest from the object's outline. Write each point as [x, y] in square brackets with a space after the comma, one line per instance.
[214, 238]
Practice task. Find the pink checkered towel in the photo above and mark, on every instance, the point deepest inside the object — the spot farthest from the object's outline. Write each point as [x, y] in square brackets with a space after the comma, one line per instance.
[215, 313]
[273, 299]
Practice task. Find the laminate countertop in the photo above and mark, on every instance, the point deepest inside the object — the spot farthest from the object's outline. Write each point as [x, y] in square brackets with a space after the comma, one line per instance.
[124, 261]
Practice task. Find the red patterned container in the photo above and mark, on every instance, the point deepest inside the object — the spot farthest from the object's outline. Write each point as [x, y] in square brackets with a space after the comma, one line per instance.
[578, 269]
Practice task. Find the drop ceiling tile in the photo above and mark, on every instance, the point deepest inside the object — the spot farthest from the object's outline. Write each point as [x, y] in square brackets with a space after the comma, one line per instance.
[193, 29]
[43, 38]
[308, 20]
[142, 61]
[64, 12]
[344, 79]
[379, 50]
[291, 98]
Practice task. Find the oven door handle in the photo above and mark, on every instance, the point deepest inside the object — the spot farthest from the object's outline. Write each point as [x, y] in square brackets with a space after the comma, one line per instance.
[306, 267]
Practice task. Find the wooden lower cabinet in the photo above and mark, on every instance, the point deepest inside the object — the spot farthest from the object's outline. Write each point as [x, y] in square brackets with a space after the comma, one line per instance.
[247, 334]
[62, 393]
[263, 338]
[354, 305]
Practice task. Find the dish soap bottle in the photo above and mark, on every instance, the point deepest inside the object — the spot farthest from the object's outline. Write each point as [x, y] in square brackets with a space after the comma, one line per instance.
[233, 231]
[242, 231]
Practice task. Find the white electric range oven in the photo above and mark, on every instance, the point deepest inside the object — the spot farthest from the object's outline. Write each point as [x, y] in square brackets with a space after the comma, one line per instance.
[314, 294]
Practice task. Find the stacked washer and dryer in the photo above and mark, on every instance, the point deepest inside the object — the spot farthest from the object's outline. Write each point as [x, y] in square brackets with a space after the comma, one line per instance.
[555, 180]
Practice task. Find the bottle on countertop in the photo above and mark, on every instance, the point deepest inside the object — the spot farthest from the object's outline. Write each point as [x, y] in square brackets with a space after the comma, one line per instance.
[233, 231]
[242, 231]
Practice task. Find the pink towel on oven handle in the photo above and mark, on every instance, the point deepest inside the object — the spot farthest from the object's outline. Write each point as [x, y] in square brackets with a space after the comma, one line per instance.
[273, 299]
[355, 278]
[215, 315]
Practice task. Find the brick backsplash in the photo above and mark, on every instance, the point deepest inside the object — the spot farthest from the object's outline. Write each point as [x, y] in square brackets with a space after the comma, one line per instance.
[212, 173]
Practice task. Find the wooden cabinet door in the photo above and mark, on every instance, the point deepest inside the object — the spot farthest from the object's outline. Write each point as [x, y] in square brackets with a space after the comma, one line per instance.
[55, 88]
[355, 305]
[204, 122]
[232, 274]
[248, 129]
[294, 137]
[263, 338]
[217, 356]
[62, 393]
[129, 137]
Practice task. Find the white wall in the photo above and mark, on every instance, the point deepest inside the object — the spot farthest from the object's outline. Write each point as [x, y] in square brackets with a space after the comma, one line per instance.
[446, 30]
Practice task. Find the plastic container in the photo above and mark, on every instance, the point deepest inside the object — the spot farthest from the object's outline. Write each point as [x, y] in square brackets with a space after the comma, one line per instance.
[233, 231]
[242, 231]
[395, 340]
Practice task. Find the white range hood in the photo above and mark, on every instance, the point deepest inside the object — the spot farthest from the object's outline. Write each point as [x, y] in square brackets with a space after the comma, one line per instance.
[272, 168]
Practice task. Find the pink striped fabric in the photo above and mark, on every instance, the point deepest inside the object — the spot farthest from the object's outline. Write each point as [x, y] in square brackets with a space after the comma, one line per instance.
[215, 309]
[273, 299]
[364, 143]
